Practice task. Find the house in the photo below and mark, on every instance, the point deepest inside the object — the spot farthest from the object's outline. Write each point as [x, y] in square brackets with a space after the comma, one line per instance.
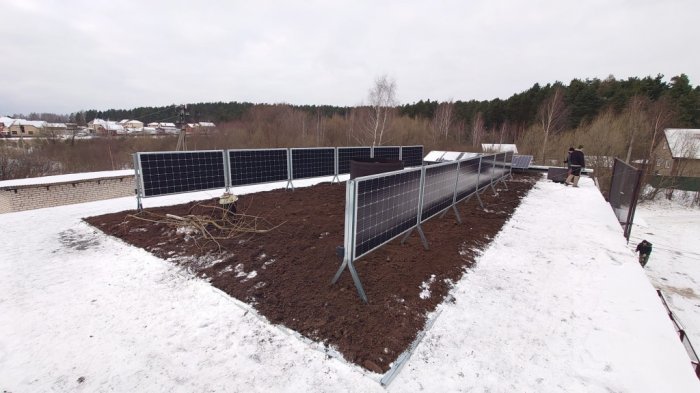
[132, 125]
[498, 148]
[678, 154]
[105, 127]
[21, 127]
[199, 128]
[5, 123]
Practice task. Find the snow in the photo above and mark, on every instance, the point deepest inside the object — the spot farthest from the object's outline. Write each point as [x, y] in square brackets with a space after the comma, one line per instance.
[64, 178]
[556, 303]
[674, 263]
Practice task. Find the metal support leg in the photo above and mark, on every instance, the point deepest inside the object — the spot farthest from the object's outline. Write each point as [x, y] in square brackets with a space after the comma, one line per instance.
[355, 278]
[358, 284]
[454, 207]
[420, 233]
[494, 190]
[289, 185]
[480, 202]
[336, 179]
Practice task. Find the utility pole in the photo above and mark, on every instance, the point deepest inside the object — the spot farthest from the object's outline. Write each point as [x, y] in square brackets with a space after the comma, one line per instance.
[183, 115]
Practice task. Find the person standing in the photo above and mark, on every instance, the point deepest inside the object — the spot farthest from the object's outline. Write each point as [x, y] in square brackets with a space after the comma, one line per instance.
[566, 161]
[644, 250]
[577, 162]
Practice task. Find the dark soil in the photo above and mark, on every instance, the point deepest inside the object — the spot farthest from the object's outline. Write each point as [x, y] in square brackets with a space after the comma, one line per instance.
[285, 274]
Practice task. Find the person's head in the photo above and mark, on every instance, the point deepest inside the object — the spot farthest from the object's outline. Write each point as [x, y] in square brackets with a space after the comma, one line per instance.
[571, 148]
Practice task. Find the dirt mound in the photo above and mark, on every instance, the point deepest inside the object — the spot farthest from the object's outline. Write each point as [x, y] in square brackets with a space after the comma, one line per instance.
[285, 273]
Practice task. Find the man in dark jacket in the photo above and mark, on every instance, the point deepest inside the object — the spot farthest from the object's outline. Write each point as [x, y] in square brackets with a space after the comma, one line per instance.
[644, 249]
[577, 162]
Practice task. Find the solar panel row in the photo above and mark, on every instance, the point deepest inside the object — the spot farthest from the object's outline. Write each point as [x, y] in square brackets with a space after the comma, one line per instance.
[165, 173]
[382, 207]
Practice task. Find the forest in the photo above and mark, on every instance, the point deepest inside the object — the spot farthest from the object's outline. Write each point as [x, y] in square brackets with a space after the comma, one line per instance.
[624, 118]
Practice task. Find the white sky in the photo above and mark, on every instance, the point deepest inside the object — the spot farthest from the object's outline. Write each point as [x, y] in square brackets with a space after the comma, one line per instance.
[63, 56]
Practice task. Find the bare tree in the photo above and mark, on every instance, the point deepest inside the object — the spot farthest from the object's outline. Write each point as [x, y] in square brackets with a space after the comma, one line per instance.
[442, 120]
[382, 99]
[478, 129]
[551, 115]
[636, 122]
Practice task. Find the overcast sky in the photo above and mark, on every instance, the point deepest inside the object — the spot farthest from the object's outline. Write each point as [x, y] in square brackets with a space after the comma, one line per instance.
[67, 55]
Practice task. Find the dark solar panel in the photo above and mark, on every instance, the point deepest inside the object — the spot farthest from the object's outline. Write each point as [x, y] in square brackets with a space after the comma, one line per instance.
[345, 154]
[313, 162]
[500, 165]
[175, 172]
[387, 206]
[412, 155]
[468, 180]
[438, 189]
[487, 170]
[521, 161]
[387, 152]
[258, 166]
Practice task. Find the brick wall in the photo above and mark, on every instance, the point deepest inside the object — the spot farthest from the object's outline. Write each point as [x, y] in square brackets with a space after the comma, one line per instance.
[27, 197]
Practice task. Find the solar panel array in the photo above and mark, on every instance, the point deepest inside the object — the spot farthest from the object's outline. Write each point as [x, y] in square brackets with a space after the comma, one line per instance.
[387, 152]
[412, 155]
[345, 154]
[162, 173]
[382, 207]
[312, 162]
[521, 161]
[438, 188]
[486, 170]
[256, 166]
[468, 179]
[176, 172]
[386, 207]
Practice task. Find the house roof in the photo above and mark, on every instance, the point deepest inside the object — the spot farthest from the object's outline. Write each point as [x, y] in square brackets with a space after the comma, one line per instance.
[499, 147]
[7, 121]
[35, 123]
[683, 142]
[206, 124]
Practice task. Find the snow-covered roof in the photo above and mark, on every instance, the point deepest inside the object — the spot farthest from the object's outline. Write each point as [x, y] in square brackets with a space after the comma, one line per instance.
[537, 313]
[34, 123]
[7, 121]
[56, 125]
[64, 178]
[123, 121]
[499, 147]
[206, 124]
[683, 142]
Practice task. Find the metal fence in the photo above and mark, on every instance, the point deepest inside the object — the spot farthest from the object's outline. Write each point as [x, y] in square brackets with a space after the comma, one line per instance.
[624, 193]
[682, 335]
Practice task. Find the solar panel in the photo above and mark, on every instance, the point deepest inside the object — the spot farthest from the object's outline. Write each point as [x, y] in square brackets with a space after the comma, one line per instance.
[253, 166]
[165, 173]
[487, 170]
[387, 206]
[468, 180]
[345, 154]
[312, 162]
[412, 155]
[438, 189]
[387, 152]
[521, 161]
[500, 166]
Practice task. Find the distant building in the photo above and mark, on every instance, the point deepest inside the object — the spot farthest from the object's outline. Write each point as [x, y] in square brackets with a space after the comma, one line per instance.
[132, 125]
[105, 127]
[5, 123]
[678, 154]
[499, 148]
[21, 127]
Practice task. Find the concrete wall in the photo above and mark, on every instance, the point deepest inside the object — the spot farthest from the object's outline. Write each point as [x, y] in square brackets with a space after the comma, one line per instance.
[27, 197]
